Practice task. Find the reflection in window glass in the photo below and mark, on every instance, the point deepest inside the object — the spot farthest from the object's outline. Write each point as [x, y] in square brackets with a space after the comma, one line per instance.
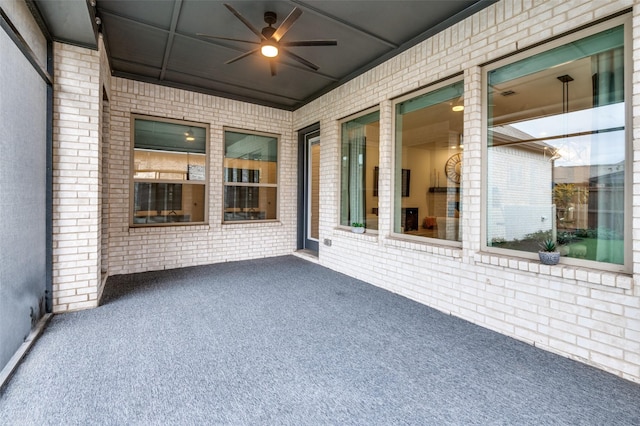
[556, 150]
[428, 169]
[359, 171]
[169, 173]
[250, 177]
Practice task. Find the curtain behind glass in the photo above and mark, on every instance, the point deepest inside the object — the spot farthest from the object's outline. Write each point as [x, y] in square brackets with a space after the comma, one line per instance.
[607, 182]
[353, 183]
[353, 165]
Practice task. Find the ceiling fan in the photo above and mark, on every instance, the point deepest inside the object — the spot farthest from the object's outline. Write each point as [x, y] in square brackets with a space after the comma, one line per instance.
[271, 44]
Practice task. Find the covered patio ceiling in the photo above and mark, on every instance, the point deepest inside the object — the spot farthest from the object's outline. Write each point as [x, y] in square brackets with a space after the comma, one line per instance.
[157, 41]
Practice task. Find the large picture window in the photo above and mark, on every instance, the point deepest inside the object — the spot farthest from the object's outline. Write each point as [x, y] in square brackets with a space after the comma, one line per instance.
[250, 176]
[360, 154]
[429, 144]
[169, 172]
[557, 151]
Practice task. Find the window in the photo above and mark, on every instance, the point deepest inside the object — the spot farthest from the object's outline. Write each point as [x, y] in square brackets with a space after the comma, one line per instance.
[250, 176]
[169, 172]
[359, 171]
[428, 168]
[557, 154]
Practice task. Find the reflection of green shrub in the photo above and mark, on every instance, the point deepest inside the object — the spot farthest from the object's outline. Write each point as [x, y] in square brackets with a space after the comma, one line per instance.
[498, 242]
[538, 236]
[598, 233]
[566, 237]
[585, 233]
[530, 242]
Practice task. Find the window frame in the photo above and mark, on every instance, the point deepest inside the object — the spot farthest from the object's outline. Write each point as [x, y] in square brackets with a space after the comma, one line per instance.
[276, 185]
[132, 181]
[625, 21]
[362, 113]
[406, 97]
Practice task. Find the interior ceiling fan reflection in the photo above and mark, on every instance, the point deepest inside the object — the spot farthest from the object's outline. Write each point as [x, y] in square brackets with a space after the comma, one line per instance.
[271, 44]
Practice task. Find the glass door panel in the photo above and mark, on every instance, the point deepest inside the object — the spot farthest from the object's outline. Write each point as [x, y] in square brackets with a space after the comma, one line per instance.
[313, 226]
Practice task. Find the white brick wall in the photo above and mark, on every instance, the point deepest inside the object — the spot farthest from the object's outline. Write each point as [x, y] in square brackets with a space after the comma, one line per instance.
[588, 315]
[144, 249]
[520, 187]
[76, 212]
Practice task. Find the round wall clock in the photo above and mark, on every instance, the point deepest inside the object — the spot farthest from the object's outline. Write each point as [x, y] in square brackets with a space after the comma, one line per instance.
[453, 168]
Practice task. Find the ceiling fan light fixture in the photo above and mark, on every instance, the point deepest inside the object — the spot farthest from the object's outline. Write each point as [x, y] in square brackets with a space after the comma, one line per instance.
[270, 38]
[189, 136]
[269, 50]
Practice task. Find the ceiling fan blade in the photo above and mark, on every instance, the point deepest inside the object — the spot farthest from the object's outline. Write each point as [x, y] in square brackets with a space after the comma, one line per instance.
[244, 21]
[272, 66]
[300, 59]
[286, 24]
[226, 38]
[310, 43]
[244, 55]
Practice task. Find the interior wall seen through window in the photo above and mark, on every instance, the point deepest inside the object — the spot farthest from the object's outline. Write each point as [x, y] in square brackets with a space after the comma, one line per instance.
[250, 176]
[169, 172]
[429, 145]
[556, 150]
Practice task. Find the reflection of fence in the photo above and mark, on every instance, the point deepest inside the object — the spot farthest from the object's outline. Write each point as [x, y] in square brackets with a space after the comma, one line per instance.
[242, 175]
[574, 216]
[158, 196]
[241, 197]
[606, 208]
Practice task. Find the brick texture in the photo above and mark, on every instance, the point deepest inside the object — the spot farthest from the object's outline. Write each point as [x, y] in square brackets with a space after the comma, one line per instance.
[76, 203]
[144, 249]
[588, 315]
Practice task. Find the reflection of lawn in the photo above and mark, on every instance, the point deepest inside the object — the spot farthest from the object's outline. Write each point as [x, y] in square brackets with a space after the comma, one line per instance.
[614, 247]
[579, 248]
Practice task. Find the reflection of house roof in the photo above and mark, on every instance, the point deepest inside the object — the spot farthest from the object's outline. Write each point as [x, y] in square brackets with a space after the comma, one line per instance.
[507, 135]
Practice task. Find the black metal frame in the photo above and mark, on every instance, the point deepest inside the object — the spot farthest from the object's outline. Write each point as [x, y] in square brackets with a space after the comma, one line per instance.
[46, 72]
[302, 181]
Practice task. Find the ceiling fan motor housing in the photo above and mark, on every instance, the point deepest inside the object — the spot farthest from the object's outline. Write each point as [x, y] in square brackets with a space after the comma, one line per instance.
[270, 18]
[267, 32]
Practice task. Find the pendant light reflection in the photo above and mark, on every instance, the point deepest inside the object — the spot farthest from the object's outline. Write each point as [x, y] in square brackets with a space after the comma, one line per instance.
[458, 105]
[189, 136]
[565, 148]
